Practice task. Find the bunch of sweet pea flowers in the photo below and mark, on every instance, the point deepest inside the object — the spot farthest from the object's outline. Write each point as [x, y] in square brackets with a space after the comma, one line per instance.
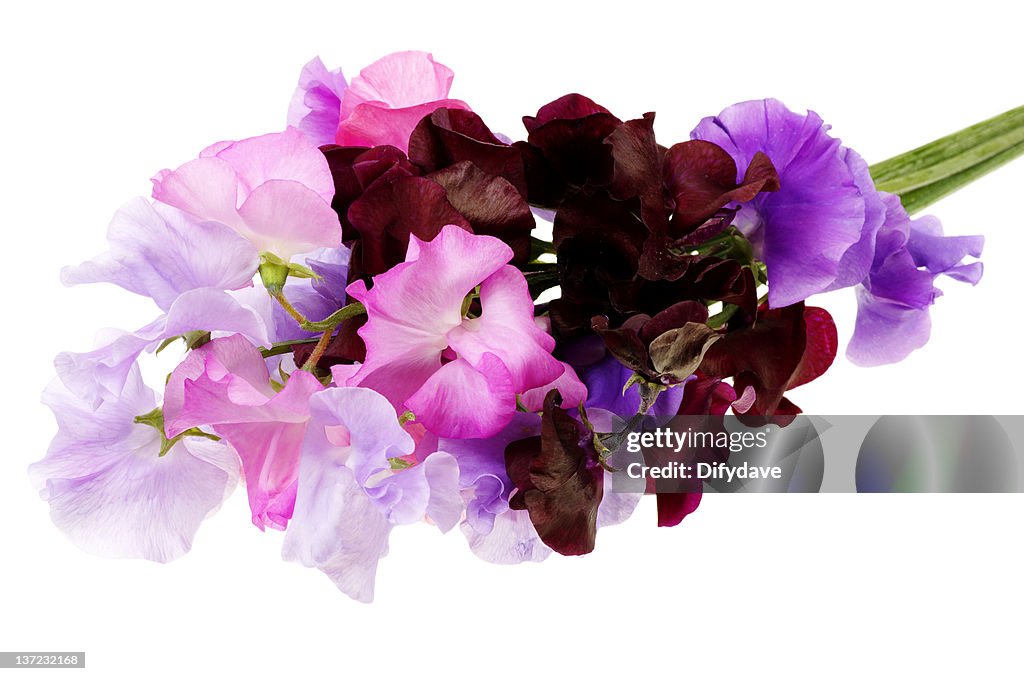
[377, 334]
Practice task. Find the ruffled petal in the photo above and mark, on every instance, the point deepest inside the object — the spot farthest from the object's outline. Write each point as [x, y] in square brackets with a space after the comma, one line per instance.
[110, 490]
[511, 540]
[161, 252]
[397, 80]
[316, 105]
[506, 329]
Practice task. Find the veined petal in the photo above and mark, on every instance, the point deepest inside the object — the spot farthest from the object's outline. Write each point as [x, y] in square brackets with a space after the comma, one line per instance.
[109, 489]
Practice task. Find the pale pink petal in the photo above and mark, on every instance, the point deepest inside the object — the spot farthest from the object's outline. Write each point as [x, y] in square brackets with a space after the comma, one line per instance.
[398, 80]
[274, 190]
[287, 155]
[206, 188]
[269, 215]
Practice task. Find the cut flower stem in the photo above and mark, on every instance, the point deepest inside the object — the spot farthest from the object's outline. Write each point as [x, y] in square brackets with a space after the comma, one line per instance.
[924, 175]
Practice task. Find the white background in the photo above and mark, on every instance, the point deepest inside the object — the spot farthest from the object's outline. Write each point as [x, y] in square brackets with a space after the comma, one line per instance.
[97, 97]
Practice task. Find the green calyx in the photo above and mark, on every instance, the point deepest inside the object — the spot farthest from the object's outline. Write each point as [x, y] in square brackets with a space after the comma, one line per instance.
[274, 272]
[155, 419]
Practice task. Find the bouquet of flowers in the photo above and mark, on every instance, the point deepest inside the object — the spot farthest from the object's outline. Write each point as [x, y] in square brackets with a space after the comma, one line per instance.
[391, 313]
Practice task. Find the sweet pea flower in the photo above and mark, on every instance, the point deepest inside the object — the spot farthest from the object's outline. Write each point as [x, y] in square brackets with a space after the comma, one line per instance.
[827, 227]
[381, 105]
[458, 375]
[349, 494]
[500, 534]
[316, 105]
[275, 190]
[110, 488]
[187, 266]
[893, 301]
[225, 385]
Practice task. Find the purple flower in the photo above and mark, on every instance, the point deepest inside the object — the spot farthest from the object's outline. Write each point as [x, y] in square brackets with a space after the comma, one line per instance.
[827, 227]
[110, 488]
[186, 266]
[316, 105]
[893, 301]
[349, 495]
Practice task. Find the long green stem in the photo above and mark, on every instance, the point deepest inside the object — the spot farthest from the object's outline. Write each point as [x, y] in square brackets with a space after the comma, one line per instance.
[924, 175]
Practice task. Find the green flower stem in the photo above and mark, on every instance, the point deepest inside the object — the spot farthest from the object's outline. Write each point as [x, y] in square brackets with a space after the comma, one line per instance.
[327, 324]
[924, 175]
[331, 322]
[285, 347]
[278, 295]
[319, 350]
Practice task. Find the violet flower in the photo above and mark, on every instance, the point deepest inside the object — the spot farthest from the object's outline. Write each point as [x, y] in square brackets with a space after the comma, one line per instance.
[186, 266]
[349, 494]
[827, 227]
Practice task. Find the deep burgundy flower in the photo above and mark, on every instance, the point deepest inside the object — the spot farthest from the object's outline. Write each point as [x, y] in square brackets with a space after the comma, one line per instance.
[559, 480]
[782, 349]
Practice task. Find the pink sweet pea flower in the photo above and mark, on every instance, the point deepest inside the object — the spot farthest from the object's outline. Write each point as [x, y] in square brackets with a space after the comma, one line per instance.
[458, 375]
[274, 190]
[383, 104]
[225, 385]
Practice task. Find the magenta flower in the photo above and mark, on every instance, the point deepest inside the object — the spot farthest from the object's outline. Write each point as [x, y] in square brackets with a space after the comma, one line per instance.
[459, 375]
[112, 491]
[275, 190]
[225, 385]
[381, 105]
[349, 494]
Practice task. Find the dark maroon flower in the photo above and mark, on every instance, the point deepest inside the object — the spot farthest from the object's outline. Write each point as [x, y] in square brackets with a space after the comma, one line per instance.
[782, 349]
[450, 136]
[491, 205]
[566, 149]
[559, 480]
